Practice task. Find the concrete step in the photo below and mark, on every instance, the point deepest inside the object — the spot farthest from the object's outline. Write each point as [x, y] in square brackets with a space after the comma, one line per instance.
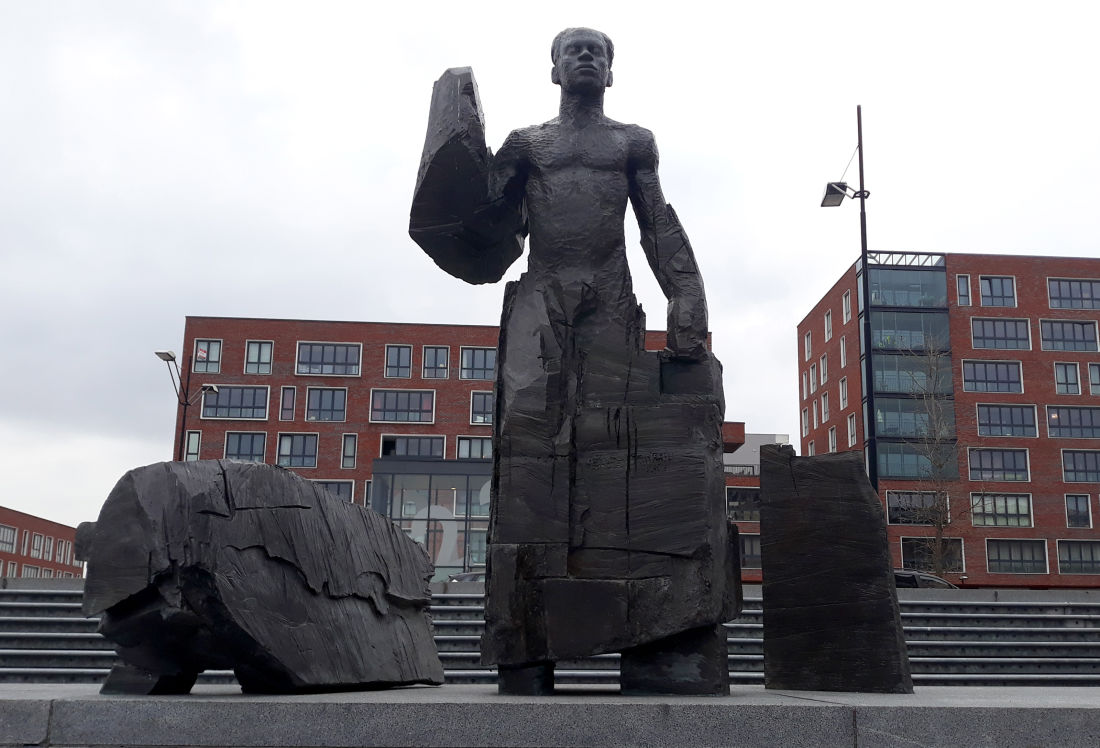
[1033, 620]
[52, 640]
[47, 623]
[40, 608]
[45, 596]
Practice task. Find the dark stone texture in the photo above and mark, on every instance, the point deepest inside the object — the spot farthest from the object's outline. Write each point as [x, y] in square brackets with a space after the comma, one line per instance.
[223, 564]
[831, 617]
[607, 528]
[689, 663]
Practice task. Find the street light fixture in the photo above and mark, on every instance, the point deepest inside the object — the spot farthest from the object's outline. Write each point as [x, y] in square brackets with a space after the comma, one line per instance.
[835, 192]
[184, 396]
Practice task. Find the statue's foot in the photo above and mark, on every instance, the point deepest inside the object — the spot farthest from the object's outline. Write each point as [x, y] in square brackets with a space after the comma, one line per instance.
[536, 679]
[126, 679]
[693, 662]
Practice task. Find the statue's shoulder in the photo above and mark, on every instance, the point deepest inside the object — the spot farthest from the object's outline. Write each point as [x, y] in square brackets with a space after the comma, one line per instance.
[521, 139]
[643, 146]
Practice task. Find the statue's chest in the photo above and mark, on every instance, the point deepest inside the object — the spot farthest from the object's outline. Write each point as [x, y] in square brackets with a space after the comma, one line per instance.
[596, 148]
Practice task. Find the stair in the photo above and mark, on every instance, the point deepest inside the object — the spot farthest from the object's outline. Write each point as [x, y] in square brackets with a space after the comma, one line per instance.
[964, 641]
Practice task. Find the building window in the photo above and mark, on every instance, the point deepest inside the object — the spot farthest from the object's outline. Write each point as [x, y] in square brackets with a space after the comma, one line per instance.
[1079, 556]
[909, 331]
[257, 357]
[30, 572]
[475, 448]
[920, 554]
[1006, 420]
[1016, 556]
[191, 446]
[998, 291]
[13, 570]
[804, 388]
[1080, 466]
[828, 326]
[208, 356]
[750, 551]
[851, 429]
[481, 407]
[843, 351]
[349, 448]
[1066, 381]
[908, 287]
[1066, 293]
[245, 446]
[341, 488]
[1060, 335]
[478, 363]
[402, 406]
[1078, 512]
[1001, 334]
[1094, 379]
[7, 539]
[248, 403]
[412, 446]
[805, 422]
[824, 369]
[47, 549]
[1073, 423]
[846, 306]
[399, 361]
[992, 376]
[914, 508]
[811, 451]
[36, 545]
[814, 408]
[843, 393]
[326, 404]
[807, 346]
[286, 403]
[329, 359]
[743, 503]
[1000, 509]
[998, 464]
[436, 361]
[297, 450]
[923, 374]
[832, 439]
[824, 407]
[813, 378]
[914, 417]
[963, 285]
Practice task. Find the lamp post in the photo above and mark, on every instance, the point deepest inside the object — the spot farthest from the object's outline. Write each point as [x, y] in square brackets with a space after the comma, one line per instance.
[835, 192]
[184, 396]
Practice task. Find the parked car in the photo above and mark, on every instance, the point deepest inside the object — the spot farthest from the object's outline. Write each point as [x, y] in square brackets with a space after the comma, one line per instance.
[908, 578]
[467, 576]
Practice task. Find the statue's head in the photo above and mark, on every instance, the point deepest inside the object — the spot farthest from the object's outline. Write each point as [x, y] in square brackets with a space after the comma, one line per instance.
[582, 60]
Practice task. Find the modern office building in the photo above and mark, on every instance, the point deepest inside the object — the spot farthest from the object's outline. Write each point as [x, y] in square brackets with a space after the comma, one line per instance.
[33, 547]
[981, 424]
[394, 416]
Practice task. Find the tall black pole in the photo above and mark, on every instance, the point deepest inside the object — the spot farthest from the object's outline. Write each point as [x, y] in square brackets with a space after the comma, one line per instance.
[185, 401]
[869, 436]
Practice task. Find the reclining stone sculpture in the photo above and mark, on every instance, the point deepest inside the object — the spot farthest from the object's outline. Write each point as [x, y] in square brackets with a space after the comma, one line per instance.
[608, 529]
[222, 564]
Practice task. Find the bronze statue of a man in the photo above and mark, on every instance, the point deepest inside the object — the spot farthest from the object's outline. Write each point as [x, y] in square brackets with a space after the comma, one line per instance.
[607, 529]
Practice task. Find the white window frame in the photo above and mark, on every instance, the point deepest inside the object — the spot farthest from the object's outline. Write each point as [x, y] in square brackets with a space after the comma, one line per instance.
[805, 422]
[37, 540]
[901, 547]
[294, 408]
[270, 362]
[975, 496]
[828, 325]
[493, 417]
[832, 439]
[350, 481]
[823, 368]
[1015, 291]
[843, 393]
[386, 358]
[298, 350]
[195, 355]
[479, 437]
[316, 456]
[851, 429]
[805, 387]
[1058, 554]
[188, 437]
[370, 405]
[382, 442]
[813, 378]
[477, 348]
[1034, 418]
[1027, 457]
[962, 373]
[1046, 283]
[1062, 462]
[347, 401]
[1077, 368]
[1088, 505]
[1093, 390]
[811, 450]
[843, 351]
[354, 452]
[423, 368]
[960, 279]
[825, 407]
[846, 307]
[1046, 556]
[14, 538]
[225, 442]
[1095, 335]
[807, 346]
[1030, 339]
[267, 398]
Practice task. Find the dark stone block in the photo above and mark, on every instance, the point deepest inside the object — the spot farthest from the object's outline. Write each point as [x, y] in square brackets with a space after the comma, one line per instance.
[693, 662]
[831, 616]
[222, 564]
[132, 680]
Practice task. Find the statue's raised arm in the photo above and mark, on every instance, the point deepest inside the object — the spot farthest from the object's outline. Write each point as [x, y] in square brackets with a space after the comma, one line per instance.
[468, 212]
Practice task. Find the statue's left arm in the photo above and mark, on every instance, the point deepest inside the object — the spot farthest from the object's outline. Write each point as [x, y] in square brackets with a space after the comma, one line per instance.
[668, 250]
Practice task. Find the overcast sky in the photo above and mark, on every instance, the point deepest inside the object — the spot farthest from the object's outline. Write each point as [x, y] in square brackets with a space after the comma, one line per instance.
[161, 159]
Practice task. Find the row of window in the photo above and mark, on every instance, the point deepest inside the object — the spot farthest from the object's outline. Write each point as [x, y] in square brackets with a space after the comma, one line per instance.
[300, 450]
[846, 314]
[1000, 290]
[250, 403]
[920, 461]
[30, 571]
[1015, 334]
[986, 509]
[811, 447]
[818, 373]
[37, 545]
[343, 359]
[1003, 555]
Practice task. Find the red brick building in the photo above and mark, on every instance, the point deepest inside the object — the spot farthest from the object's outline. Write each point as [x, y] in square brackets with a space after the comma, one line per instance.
[33, 547]
[985, 391]
[396, 416]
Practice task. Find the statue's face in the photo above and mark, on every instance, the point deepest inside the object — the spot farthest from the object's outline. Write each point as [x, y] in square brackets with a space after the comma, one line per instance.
[583, 64]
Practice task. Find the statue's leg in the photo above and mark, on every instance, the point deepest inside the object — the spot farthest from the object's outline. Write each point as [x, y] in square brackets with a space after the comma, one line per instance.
[535, 679]
[691, 662]
[126, 679]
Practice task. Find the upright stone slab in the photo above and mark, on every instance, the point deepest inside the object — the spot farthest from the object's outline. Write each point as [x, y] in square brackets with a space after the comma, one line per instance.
[831, 616]
[221, 564]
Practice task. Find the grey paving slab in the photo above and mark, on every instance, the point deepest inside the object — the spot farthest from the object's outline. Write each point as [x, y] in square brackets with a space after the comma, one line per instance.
[24, 721]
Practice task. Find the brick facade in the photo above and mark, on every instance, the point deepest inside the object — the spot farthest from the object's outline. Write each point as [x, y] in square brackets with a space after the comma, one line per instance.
[1020, 524]
[36, 548]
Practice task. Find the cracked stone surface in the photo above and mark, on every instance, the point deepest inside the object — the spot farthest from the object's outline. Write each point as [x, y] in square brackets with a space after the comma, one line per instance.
[220, 564]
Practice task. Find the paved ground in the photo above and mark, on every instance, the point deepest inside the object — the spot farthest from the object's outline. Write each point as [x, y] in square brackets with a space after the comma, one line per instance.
[48, 715]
